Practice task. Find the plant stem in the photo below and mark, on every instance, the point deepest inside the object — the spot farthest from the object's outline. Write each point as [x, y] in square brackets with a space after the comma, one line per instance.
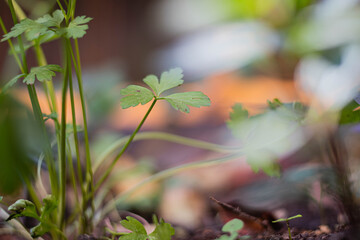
[165, 174]
[288, 226]
[62, 162]
[108, 171]
[166, 137]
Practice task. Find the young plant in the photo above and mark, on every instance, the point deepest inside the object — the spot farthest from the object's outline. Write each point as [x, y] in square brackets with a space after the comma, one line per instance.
[163, 231]
[287, 222]
[232, 228]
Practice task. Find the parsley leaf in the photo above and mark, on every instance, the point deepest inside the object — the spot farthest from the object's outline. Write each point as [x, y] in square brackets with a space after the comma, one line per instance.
[138, 230]
[35, 29]
[77, 27]
[42, 73]
[135, 95]
[168, 80]
[52, 21]
[163, 231]
[32, 28]
[179, 101]
[49, 206]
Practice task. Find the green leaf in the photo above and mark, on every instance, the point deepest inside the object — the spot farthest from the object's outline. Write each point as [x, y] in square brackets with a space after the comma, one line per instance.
[52, 21]
[77, 27]
[237, 115]
[168, 80]
[268, 136]
[22, 207]
[1, 198]
[32, 29]
[348, 114]
[138, 230]
[135, 95]
[42, 73]
[233, 226]
[287, 219]
[179, 101]
[163, 231]
[11, 82]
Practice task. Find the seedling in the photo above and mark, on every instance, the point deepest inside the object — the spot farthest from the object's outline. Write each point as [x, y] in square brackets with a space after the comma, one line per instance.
[232, 227]
[287, 222]
[163, 231]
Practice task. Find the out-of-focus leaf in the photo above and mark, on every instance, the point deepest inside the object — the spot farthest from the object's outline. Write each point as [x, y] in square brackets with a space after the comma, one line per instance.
[349, 115]
[267, 136]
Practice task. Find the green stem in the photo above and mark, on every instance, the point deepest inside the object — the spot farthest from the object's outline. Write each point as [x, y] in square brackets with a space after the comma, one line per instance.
[17, 59]
[109, 170]
[288, 226]
[62, 167]
[89, 173]
[166, 137]
[77, 67]
[165, 174]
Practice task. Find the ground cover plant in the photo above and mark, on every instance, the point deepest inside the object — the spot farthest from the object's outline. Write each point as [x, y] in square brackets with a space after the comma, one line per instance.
[62, 155]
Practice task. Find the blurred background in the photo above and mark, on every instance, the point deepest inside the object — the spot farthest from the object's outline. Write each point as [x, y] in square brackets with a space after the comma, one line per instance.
[246, 51]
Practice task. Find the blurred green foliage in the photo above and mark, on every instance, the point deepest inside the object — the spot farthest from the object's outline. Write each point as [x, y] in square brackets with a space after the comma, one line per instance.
[15, 163]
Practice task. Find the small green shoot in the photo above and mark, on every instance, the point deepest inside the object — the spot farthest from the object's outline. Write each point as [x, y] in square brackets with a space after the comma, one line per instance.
[26, 208]
[163, 231]
[287, 222]
[232, 227]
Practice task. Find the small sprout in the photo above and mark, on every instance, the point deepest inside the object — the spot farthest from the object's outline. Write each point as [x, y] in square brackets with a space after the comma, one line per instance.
[232, 227]
[163, 231]
[22, 208]
[287, 222]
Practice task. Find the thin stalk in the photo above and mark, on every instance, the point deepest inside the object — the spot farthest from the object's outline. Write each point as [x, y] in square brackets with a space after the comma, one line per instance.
[89, 173]
[289, 230]
[77, 66]
[47, 85]
[165, 174]
[72, 172]
[62, 166]
[109, 170]
[12, 49]
[33, 195]
[78, 160]
[166, 137]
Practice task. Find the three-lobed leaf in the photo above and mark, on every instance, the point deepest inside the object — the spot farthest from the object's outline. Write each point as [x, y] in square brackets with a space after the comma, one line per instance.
[181, 101]
[42, 73]
[135, 95]
[168, 80]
